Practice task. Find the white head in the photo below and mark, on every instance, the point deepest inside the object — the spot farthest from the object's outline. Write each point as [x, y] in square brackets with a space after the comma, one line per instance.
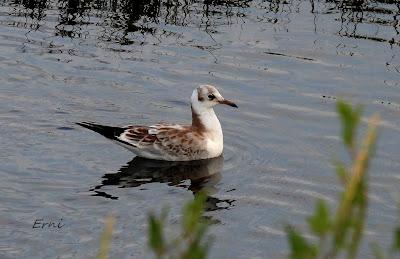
[205, 97]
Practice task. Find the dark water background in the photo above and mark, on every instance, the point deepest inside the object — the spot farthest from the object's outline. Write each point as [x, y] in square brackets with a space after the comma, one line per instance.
[136, 62]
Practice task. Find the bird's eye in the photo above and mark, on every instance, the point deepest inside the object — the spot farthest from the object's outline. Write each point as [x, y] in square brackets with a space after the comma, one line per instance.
[211, 96]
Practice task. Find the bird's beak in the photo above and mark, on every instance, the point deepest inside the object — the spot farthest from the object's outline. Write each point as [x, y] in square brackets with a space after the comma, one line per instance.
[227, 102]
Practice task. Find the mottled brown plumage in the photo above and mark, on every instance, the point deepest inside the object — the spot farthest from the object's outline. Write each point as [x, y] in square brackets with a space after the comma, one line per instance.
[201, 140]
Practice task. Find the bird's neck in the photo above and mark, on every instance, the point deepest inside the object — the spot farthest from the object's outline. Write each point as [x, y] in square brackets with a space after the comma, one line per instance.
[206, 120]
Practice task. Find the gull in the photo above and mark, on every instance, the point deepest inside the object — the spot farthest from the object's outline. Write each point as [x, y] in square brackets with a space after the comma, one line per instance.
[202, 139]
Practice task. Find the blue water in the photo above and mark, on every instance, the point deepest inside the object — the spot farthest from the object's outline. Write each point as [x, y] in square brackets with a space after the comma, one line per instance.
[285, 63]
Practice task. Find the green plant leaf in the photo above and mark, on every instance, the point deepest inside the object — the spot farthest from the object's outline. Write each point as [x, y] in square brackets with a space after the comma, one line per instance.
[341, 172]
[299, 247]
[350, 118]
[156, 237]
[319, 223]
[396, 241]
[193, 241]
[195, 251]
[192, 213]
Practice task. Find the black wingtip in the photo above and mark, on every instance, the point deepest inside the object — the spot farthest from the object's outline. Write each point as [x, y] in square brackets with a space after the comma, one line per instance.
[83, 124]
[106, 131]
[89, 125]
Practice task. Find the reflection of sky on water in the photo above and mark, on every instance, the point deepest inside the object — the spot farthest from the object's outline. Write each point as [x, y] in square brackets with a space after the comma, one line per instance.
[118, 62]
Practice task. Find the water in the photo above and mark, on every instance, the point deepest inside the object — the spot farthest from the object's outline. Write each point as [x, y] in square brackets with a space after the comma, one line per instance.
[116, 62]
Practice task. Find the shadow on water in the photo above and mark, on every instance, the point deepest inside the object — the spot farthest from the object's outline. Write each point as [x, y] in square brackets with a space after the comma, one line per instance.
[201, 175]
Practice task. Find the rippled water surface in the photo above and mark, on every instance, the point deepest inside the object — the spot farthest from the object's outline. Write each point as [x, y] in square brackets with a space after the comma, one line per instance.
[136, 62]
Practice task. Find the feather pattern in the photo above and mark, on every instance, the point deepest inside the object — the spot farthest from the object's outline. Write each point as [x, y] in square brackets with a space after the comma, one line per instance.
[202, 139]
[175, 142]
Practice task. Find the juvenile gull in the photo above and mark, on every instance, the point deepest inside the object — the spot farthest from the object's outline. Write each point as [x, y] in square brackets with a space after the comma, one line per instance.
[202, 139]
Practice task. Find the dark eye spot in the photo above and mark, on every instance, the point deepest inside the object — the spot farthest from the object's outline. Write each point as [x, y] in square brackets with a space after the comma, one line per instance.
[211, 96]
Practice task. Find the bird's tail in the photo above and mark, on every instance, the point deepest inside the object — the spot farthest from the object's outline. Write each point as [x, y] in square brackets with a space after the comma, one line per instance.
[106, 131]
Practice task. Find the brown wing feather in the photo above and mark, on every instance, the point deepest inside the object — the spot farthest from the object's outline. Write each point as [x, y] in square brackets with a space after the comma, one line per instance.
[140, 134]
[183, 141]
[174, 140]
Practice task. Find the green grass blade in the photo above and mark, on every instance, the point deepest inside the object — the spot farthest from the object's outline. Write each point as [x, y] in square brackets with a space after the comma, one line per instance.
[350, 118]
[319, 222]
[106, 236]
[299, 246]
[156, 236]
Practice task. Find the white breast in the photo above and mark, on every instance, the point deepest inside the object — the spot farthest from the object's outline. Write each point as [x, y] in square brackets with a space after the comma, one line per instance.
[215, 148]
[215, 138]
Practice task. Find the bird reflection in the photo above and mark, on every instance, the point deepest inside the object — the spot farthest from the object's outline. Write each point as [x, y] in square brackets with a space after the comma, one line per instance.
[201, 175]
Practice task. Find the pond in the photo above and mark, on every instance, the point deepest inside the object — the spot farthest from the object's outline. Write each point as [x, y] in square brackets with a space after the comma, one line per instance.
[284, 62]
